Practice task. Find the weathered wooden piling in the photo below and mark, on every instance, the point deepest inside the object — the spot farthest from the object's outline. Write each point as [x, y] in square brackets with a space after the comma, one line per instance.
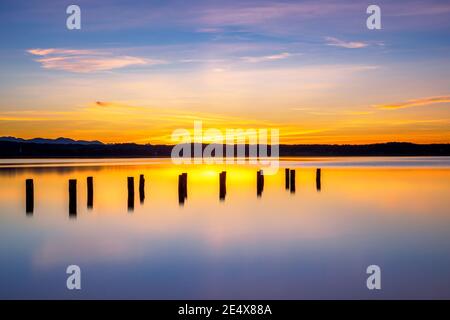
[292, 182]
[184, 174]
[259, 182]
[72, 198]
[223, 185]
[141, 188]
[286, 178]
[182, 188]
[29, 186]
[90, 192]
[318, 179]
[130, 181]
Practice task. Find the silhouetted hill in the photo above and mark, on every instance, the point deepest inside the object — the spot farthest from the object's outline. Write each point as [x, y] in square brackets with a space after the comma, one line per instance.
[50, 141]
[81, 149]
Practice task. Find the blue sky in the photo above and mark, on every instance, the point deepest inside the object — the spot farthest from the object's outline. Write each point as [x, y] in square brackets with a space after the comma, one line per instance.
[299, 64]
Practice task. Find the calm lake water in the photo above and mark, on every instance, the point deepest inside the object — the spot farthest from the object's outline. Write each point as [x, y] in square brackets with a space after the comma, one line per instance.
[391, 212]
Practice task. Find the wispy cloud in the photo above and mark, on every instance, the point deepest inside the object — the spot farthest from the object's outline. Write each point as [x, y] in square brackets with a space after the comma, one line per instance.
[84, 61]
[331, 41]
[274, 57]
[415, 103]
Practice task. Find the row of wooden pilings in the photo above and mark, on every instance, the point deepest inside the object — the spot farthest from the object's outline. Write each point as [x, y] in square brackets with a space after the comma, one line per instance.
[182, 189]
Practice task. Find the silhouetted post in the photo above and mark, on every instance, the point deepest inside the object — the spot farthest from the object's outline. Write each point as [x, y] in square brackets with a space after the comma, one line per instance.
[182, 188]
[259, 183]
[90, 192]
[29, 186]
[286, 178]
[141, 188]
[262, 180]
[292, 186]
[130, 193]
[318, 179]
[184, 174]
[72, 198]
[223, 185]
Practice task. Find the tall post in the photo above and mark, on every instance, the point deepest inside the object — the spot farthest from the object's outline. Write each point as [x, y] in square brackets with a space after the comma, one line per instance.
[141, 188]
[318, 179]
[72, 198]
[90, 192]
[223, 185]
[292, 182]
[259, 183]
[286, 178]
[184, 174]
[29, 192]
[182, 188]
[130, 181]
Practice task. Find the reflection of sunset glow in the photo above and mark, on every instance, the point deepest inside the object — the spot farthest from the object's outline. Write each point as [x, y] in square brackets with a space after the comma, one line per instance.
[356, 206]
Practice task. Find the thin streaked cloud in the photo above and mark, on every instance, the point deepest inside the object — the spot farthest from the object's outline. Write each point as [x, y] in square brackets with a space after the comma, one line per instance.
[274, 57]
[415, 103]
[332, 41]
[85, 61]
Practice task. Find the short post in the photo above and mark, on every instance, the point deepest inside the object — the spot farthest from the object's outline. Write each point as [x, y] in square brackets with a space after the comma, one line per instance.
[259, 183]
[182, 188]
[223, 185]
[318, 179]
[184, 174]
[130, 181]
[292, 182]
[141, 188]
[90, 192]
[72, 198]
[29, 186]
[286, 178]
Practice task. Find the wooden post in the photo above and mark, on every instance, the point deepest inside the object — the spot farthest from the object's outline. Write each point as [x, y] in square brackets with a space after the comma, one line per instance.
[29, 186]
[130, 193]
[286, 178]
[262, 180]
[182, 188]
[90, 192]
[184, 174]
[259, 183]
[292, 186]
[223, 185]
[72, 198]
[141, 188]
[318, 179]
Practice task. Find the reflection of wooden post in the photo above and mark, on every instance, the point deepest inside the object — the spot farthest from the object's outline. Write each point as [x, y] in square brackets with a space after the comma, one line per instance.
[141, 188]
[182, 188]
[130, 193]
[223, 185]
[286, 178]
[318, 179]
[90, 192]
[72, 198]
[292, 186]
[29, 186]
[259, 183]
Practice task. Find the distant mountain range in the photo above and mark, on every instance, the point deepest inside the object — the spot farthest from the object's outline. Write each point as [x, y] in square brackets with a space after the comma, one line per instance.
[51, 141]
[11, 147]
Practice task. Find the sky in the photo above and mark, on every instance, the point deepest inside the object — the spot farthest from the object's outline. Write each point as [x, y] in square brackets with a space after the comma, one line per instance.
[138, 70]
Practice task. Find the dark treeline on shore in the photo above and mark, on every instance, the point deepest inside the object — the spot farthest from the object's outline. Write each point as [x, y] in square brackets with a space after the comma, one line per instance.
[10, 149]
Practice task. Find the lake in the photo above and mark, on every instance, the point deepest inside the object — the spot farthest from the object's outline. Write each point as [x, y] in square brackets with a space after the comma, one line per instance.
[391, 212]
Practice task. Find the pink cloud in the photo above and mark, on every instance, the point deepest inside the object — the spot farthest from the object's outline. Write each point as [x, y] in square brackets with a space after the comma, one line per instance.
[274, 57]
[84, 61]
[331, 41]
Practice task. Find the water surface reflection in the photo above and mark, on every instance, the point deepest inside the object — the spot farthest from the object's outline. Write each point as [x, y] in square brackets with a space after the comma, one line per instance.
[225, 241]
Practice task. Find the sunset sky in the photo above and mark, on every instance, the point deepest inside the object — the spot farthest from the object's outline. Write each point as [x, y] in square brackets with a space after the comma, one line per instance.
[137, 70]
